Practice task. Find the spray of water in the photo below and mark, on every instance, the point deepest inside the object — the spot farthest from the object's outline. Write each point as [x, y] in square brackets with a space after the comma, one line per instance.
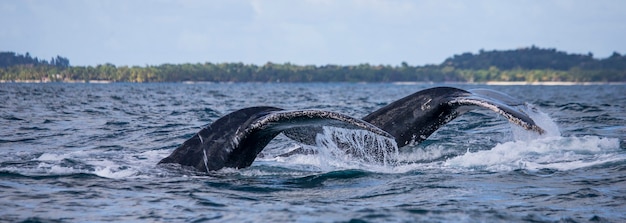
[532, 151]
[349, 148]
[357, 149]
[542, 119]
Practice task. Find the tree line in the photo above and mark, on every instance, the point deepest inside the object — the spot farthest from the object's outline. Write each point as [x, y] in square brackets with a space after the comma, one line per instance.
[530, 64]
[8, 59]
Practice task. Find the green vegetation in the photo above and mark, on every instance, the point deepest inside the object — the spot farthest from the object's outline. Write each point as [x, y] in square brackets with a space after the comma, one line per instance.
[527, 64]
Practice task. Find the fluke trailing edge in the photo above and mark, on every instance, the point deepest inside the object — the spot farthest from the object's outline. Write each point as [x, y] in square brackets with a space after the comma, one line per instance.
[236, 139]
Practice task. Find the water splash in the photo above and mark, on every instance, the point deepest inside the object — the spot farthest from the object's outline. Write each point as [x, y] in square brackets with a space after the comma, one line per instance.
[541, 119]
[532, 151]
[349, 149]
[361, 144]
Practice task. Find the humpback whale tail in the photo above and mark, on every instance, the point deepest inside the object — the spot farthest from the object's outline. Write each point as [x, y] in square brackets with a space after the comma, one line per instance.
[415, 117]
[236, 139]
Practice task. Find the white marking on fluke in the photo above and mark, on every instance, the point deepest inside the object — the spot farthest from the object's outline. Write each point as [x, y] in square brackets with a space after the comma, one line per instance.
[206, 160]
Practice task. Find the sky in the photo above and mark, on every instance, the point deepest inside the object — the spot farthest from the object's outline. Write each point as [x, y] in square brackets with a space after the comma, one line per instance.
[304, 32]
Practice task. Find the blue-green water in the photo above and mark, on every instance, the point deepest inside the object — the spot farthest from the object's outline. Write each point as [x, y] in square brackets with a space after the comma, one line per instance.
[88, 153]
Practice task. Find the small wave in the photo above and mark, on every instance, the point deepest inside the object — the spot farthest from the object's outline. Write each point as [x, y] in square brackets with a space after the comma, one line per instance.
[113, 164]
[33, 128]
[13, 175]
[560, 153]
[313, 181]
[12, 118]
[17, 140]
[116, 172]
[117, 123]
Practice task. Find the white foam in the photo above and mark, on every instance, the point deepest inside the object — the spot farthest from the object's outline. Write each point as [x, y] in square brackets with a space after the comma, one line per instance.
[432, 152]
[51, 157]
[56, 169]
[101, 163]
[115, 172]
[561, 153]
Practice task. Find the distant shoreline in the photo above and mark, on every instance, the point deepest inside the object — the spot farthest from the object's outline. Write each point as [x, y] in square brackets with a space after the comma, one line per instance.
[523, 66]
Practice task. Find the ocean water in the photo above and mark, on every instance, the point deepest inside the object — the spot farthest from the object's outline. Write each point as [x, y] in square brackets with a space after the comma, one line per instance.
[88, 153]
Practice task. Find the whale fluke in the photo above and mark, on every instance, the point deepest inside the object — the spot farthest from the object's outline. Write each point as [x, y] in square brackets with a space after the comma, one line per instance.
[236, 139]
[415, 117]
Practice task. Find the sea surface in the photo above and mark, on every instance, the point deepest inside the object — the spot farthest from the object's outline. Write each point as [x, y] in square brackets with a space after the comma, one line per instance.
[89, 153]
